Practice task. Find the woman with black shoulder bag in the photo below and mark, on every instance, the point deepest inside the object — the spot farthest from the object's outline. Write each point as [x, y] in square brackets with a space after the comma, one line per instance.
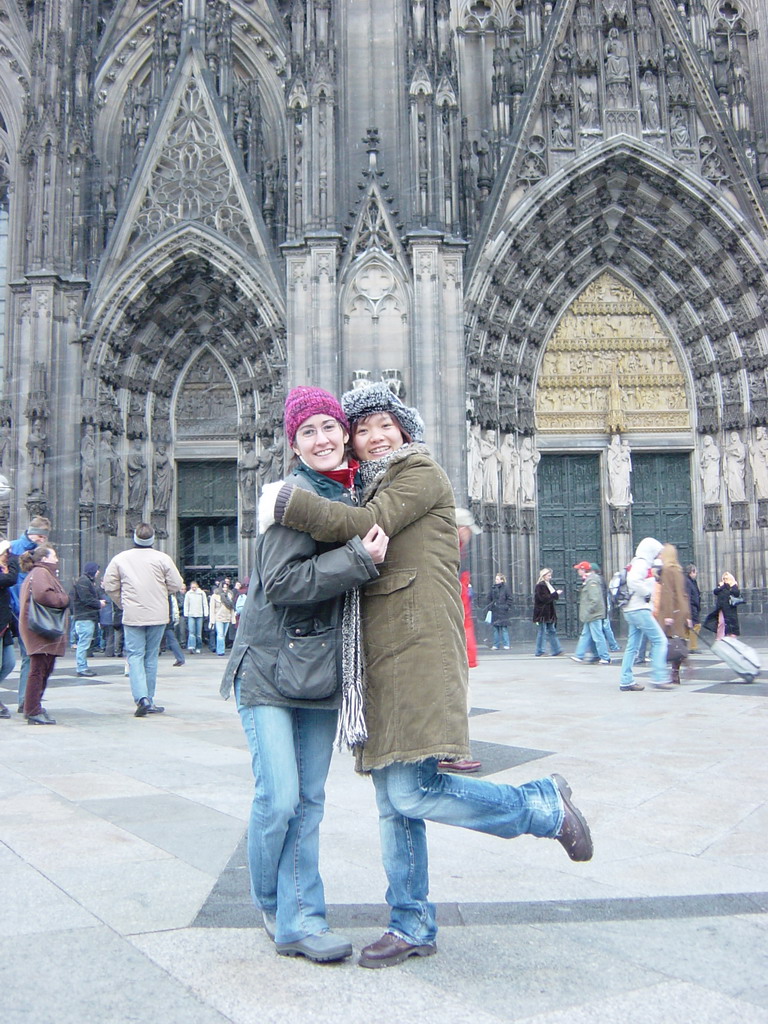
[42, 598]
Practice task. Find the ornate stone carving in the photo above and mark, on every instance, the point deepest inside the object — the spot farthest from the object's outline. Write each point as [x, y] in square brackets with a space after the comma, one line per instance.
[621, 521]
[713, 518]
[619, 464]
[37, 448]
[758, 460]
[88, 466]
[527, 520]
[206, 406]
[192, 181]
[740, 515]
[709, 469]
[136, 466]
[509, 518]
[610, 366]
[162, 479]
[491, 459]
[529, 460]
[735, 469]
[762, 513]
[247, 475]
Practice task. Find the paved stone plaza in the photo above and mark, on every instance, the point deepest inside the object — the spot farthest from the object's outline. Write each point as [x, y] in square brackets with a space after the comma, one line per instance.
[125, 891]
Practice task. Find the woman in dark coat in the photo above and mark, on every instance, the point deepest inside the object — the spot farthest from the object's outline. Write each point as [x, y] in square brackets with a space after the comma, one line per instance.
[727, 589]
[694, 601]
[545, 614]
[42, 584]
[9, 571]
[499, 604]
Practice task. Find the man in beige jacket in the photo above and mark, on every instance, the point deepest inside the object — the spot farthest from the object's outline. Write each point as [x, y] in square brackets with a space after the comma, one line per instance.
[139, 581]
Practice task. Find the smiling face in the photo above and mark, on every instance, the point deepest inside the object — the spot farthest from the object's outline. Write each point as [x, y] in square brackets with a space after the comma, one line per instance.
[320, 442]
[376, 436]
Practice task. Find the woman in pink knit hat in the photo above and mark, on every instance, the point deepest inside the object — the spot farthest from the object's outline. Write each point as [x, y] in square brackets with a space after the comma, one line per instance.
[290, 679]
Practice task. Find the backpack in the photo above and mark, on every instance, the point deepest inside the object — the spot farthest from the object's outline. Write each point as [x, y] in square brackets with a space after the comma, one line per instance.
[618, 589]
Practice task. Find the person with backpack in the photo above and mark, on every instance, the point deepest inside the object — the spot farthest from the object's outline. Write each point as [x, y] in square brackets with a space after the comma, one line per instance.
[639, 617]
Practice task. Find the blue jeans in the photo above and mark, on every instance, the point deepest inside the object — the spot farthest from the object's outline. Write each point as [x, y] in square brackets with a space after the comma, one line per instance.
[290, 754]
[221, 637]
[609, 635]
[194, 632]
[8, 662]
[23, 671]
[642, 623]
[500, 636]
[84, 630]
[142, 647]
[406, 794]
[172, 643]
[592, 634]
[547, 632]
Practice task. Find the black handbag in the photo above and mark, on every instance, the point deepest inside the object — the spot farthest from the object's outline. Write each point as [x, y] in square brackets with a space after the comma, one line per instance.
[46, 622]
[677, 648]
[306, 665]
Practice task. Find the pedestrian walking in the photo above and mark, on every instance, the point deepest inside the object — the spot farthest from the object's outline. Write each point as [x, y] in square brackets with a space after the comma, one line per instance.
[694, 602]
[499, 604]
[415, 658]
[639, 617]
[221, 615]
[42, 586]
[9, 571]
[671, 609]
[724, 617]
[140, 580]
[195, 610]
[592, 612]
[290, 672]
[171, 640]
[545, 614]
[35, 534]
[86, 606]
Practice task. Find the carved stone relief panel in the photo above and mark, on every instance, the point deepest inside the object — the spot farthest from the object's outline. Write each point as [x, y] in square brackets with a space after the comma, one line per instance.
[610, 367]
[206, 406]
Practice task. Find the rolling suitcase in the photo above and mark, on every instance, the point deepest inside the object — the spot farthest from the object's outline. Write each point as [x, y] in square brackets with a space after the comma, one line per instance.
[739, 657]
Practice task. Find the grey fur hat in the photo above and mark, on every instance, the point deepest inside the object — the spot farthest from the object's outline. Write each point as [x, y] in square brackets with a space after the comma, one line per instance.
[379, 397]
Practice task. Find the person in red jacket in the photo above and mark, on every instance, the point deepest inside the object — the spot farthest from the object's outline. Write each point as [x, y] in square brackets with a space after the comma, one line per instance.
[42, 585]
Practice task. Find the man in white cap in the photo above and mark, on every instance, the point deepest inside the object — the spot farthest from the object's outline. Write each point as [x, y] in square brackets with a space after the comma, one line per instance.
[140, 581]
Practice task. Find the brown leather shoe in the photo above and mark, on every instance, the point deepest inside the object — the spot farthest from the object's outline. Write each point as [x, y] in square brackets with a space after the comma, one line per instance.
[391, 950]
[574, 834]
[459, 766]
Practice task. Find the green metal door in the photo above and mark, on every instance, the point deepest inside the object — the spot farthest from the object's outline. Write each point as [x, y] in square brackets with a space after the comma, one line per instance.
[661, 490]
[569, 526]
[207, 510]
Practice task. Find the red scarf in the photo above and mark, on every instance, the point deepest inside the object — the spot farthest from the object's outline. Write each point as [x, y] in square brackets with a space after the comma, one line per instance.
[345, 476]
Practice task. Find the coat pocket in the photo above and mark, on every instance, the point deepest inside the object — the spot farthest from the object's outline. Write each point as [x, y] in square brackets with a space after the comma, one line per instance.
[306, 665]
[390, 612]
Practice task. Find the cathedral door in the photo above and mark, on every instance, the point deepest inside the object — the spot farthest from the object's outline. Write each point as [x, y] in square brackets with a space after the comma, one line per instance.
[661, 491]
[207, 510]
[569, 526]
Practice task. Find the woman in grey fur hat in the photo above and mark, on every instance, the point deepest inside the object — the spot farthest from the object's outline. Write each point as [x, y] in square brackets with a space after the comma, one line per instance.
[415, 661]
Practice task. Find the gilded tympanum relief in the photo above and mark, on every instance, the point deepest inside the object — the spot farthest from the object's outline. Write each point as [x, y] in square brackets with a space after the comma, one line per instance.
[609, 367]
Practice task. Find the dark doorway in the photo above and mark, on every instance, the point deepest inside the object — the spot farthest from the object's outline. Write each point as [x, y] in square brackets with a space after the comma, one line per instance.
[569, 526]
[207, 511]
[661, 491]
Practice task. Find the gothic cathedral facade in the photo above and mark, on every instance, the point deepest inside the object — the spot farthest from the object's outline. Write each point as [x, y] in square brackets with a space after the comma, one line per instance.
[543, 222]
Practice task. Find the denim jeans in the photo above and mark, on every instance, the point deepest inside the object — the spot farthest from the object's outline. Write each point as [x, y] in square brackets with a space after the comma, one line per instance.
[172, 643]
[500, 636]
[84, 630]
[8, 662]
[290, 753]
[592, 635]
[547, 632]
[610, 637]
[406, 794]
[23, 671]
[194, 632]
[221, 637]
[642, 623]
[142, 647]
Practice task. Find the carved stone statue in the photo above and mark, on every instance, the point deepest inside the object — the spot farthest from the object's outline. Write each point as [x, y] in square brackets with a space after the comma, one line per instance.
[137, 476]
[88, 466]
[490, 456]
[709, 463]
[649, 102]
[510, 470]
[735, 466]
[162, 479]
[529, 460]
[619, 460]
[117, 474]
[104, 492]
[248, 466]
[37, 445]
[758, 459]
[5, 447]
[474, 462]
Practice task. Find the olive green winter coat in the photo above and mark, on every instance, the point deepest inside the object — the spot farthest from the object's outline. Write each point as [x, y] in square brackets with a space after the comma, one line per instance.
[412, 615]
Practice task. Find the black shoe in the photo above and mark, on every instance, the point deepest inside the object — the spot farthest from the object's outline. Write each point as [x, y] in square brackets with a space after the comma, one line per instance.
[88, 672]
[155, 709]
[177, 663]
[143, 706]
[41, 718]
[390, 950]
[4, 712]
[574, 834]
[20, 709]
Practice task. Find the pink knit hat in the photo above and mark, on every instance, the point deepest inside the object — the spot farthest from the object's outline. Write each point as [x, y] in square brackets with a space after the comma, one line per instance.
[303, 402]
